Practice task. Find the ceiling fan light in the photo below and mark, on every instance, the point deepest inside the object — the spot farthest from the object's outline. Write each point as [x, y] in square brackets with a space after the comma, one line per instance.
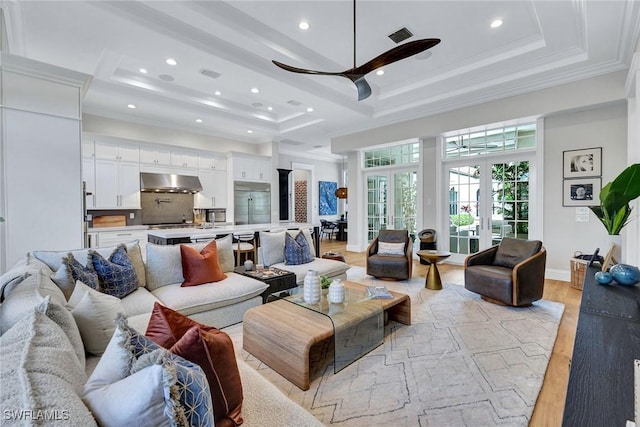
[341, 192]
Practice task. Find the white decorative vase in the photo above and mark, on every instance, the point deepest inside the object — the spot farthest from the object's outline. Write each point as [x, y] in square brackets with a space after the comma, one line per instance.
[336, 291]
[617, 250]
[311, 290]
[248, 265]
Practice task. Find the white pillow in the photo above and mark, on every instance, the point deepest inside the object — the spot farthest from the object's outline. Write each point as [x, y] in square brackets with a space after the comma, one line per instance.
[385, 248]
[117, 398]
[95, 314]
[272, 244]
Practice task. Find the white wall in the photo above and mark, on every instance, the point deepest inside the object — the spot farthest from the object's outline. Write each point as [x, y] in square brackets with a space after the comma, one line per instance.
[605, 127]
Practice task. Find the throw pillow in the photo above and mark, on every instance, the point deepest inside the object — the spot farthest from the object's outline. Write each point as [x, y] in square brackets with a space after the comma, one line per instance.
[95, 314]
[272, 247]
[200, 267]
[296, 251]
[386, 248]
[63, 279]
[63, 318]
[125, 391]
[40, 372]
[211, 349]
[116, 276]
[513, 251]
[77, 271]
[194, 395]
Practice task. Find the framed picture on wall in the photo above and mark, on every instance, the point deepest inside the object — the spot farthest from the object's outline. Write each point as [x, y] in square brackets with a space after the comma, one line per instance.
[582, 163]
[581, 192]
[328, 199]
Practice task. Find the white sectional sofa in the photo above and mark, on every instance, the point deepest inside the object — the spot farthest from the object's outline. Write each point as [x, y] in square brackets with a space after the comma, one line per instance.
[40, 275]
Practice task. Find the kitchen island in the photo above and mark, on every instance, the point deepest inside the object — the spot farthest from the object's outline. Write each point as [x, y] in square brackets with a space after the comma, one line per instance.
[185, 235]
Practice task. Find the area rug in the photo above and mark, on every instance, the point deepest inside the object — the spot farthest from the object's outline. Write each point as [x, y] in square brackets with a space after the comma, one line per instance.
[462, 362]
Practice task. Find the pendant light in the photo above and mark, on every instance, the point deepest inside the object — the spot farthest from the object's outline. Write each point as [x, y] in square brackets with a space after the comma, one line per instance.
[341, 192]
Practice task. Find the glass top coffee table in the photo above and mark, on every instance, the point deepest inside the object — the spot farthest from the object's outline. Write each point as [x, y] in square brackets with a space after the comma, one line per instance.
[285, 333]
[358, 322]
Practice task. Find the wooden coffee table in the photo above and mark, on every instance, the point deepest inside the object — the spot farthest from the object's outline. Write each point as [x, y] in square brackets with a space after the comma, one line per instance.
[282, 334]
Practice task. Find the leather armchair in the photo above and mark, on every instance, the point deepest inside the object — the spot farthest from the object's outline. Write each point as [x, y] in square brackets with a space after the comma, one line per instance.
[510, 273]
[390, 266]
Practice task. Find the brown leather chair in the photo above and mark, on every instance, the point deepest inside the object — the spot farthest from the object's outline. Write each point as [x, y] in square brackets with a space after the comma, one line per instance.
[510, 273]
[395, 260]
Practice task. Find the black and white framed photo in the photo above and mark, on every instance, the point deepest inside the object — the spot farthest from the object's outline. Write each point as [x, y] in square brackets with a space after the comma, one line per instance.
[582, 163]
[581, 192]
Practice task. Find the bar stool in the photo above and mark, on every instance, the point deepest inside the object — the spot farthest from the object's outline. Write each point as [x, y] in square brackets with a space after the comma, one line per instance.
[245, 243]
[202, 237]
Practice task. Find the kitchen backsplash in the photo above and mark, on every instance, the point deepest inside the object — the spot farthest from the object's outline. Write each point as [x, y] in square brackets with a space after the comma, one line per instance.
[166, 207]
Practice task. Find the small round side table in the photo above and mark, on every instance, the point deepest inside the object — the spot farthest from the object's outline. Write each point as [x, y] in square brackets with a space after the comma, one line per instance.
[433, 276]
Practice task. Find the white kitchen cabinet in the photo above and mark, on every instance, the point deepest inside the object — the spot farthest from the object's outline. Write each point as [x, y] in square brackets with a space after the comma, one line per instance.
[252, 169]
[125, 153]
[214, 189]
[117, 185]
[89, 178]
[184, 160]
[113, 238]
[212, 162]
[88, 149]
[154, 156]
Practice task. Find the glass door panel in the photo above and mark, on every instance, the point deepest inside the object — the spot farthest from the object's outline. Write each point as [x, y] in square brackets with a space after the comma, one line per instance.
[405, 203]
[510, 209]
[376, 204]
[464, 217]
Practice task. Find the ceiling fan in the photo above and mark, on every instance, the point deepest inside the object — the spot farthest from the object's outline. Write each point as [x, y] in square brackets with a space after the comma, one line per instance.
[357, 74]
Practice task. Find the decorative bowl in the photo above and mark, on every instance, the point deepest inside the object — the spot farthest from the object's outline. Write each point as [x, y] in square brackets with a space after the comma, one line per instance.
[603, 277]
[625, 274]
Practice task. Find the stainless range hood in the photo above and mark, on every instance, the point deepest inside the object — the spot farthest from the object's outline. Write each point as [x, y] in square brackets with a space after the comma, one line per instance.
[169, 183]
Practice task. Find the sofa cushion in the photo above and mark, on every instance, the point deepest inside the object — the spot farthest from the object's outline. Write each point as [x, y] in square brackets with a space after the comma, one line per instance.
[116, 275]
[39, 370]
[77, 271]
[513, 251]
[211, 349]
[27, 293]
[53, 259]
[95, 314]
[63, 318]
[200, 267]
[194, 395]
[190, 300]
[125, 391]
[139, 302]
[324, 267]
[271, 247]
[296, 250]
[164, 262]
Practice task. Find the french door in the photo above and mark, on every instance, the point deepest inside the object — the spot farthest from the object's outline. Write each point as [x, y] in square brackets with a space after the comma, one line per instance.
[391, 200]
[488, 199]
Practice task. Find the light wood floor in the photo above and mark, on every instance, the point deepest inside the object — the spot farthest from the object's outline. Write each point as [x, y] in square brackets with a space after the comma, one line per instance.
[550, 405]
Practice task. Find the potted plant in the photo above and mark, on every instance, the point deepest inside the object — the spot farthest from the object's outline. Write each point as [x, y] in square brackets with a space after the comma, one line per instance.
[614, 210]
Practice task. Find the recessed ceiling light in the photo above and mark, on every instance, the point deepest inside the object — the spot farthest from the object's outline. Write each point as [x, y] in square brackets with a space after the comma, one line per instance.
[255, 90]
[310, 110]
[303, 25]
[143, 70]
[171, 61]
[132, 106]
[270, 108]
[218, 93]
[249, 131]
[496, 23]
[380, 72]
[198, 120]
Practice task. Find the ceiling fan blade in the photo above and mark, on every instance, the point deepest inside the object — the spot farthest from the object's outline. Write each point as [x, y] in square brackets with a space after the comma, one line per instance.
[396, 54]
[305, 71]
[364, 90]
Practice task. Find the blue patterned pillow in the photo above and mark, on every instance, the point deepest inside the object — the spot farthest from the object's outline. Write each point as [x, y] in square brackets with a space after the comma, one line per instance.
[116, 276]
[193, 387]
[77, 271]
[296, 251]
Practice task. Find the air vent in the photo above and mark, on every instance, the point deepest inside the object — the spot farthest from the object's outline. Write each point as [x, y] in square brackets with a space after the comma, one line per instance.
[210, 73]
[295, 103]
[401, 35]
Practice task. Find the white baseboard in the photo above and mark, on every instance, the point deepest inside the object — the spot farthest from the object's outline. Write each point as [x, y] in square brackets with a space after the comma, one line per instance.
[555, 274]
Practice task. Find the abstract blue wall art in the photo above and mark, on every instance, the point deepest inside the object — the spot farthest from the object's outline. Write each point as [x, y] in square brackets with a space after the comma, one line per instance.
[328, 199]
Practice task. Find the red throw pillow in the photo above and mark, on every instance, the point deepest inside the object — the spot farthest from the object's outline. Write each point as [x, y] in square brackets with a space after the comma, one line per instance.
[203, 267]
[208, 347]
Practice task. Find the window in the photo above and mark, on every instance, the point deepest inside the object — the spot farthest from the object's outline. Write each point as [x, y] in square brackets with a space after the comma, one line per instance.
[392, 156]
[490, 141]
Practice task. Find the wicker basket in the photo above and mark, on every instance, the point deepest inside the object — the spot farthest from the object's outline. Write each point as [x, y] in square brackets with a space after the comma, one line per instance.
[578, 269]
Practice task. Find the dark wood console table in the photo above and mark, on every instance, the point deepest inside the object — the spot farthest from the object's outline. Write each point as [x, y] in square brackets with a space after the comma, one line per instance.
[600, 391]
